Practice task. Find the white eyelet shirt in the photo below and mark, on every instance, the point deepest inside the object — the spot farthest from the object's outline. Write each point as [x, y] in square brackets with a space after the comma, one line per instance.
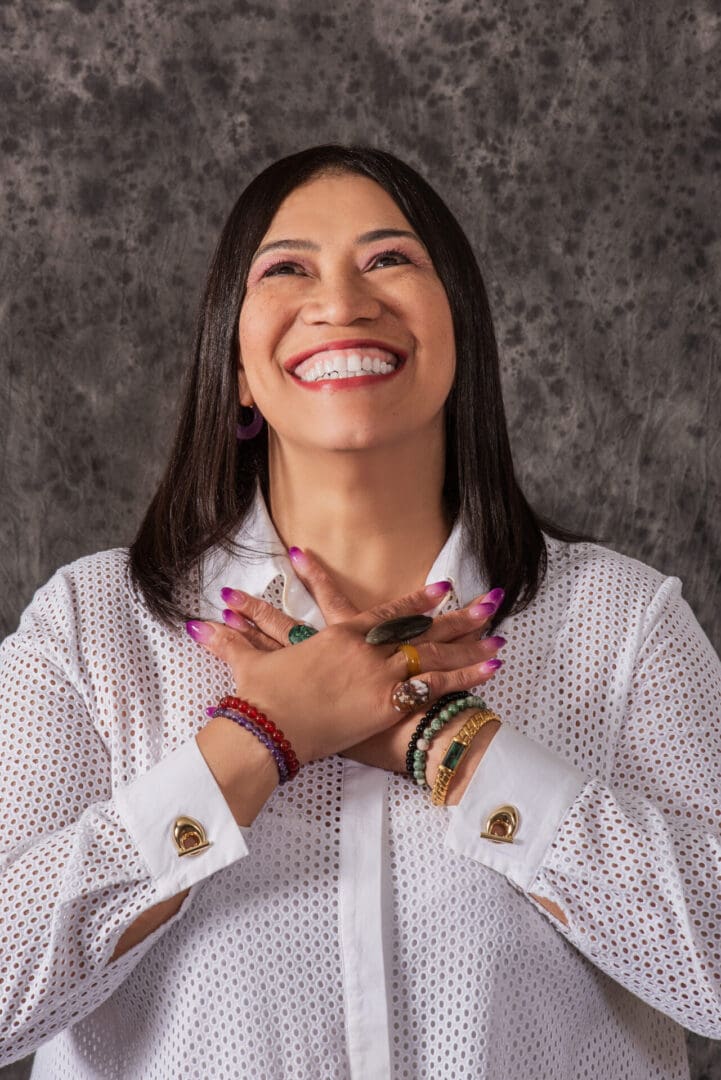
[355, 930]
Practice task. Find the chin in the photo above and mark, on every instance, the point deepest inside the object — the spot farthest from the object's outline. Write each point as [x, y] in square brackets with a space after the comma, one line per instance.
[345, 438]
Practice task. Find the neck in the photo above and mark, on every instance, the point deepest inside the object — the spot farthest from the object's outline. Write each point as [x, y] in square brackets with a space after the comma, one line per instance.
[375, 518]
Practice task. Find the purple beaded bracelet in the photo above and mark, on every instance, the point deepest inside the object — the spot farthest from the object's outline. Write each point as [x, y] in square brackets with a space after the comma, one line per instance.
[266, 740]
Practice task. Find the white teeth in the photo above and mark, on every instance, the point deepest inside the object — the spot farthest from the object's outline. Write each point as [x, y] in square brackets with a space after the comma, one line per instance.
[349, 366]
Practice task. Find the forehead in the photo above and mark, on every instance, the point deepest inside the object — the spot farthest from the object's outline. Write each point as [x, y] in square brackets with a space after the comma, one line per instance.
[326, 204]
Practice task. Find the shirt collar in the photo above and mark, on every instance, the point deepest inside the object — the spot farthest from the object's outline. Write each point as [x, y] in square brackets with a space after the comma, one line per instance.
[264, 558]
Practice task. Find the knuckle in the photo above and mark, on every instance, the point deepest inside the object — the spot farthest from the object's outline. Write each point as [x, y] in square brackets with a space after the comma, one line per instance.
[433, 655]
[385, 611]
[279, 622]
[223, 643]
[252, 606]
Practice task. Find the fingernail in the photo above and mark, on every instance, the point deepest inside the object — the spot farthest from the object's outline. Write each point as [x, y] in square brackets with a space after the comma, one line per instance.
[496, 596]
[296, 555]
[199, 631]
[481, 611]
[438, 588]
[232, 596]
[492, 665]
[497, 641]
[232, 618]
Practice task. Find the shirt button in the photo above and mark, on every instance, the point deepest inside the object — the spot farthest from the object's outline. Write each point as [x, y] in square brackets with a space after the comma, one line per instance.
[189, 836]
[502, 825]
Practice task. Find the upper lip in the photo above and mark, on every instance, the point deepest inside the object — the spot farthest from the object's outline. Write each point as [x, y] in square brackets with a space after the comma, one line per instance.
[346, 343]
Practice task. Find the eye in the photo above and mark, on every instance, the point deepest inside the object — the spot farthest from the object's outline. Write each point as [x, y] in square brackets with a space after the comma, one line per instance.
[398, 257]
[277, 269]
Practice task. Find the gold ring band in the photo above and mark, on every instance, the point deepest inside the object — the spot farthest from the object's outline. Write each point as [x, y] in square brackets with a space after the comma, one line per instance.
[413, 660]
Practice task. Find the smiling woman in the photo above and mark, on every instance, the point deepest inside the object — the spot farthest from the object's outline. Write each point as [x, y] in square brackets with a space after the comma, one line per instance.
[296, 367]
[344, 813]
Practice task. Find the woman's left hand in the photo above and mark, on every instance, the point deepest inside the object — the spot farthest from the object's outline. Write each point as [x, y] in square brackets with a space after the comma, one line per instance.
[267, 628]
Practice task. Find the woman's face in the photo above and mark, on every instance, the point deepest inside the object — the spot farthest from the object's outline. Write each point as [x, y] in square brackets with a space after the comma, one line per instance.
[340, 284]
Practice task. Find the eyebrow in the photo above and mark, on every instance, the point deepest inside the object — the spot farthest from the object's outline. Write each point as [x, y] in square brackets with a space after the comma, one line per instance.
[309, 245]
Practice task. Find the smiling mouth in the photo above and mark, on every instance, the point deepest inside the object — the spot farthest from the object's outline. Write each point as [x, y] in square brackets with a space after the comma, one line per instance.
[355, 363]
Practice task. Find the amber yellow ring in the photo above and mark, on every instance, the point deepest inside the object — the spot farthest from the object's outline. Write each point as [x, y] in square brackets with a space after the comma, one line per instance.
[413, 660]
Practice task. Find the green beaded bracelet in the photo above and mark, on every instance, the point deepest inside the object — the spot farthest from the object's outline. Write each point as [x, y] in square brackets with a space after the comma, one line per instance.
[423, 745]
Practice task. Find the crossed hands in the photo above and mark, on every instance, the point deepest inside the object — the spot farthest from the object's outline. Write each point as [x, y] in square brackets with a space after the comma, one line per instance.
[332, 693]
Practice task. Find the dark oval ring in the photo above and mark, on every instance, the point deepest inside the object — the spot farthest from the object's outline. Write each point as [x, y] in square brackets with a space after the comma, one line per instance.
[300, 632]
[398, 631]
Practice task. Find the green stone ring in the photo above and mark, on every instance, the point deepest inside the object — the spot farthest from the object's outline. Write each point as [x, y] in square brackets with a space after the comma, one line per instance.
[300, 632]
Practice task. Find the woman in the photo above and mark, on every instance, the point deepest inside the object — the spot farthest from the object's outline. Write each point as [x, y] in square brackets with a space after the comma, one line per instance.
[171, 909]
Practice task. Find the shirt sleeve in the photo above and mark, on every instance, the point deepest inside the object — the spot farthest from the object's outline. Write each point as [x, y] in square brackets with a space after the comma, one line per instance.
[180, 794]
[540, 787]
[79, 862]
[632, 857]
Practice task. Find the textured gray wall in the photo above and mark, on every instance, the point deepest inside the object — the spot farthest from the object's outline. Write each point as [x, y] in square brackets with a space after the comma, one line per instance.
[579, 144]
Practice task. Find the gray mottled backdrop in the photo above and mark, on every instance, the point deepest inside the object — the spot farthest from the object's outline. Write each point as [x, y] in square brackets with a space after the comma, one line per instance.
[579, 144]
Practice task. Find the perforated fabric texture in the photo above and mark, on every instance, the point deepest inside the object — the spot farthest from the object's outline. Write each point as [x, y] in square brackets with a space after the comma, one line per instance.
[608, 668]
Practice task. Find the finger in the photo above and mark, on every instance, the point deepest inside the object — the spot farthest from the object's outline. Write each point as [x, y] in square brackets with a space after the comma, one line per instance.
[269, 620]
[439, 656]
[415, 603]
[251, 633]
[471, 619]
[421, 690]
[221, 641]
[335, 606]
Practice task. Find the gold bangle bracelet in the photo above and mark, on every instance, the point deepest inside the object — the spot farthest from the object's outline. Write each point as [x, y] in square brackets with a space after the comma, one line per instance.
[456, 751]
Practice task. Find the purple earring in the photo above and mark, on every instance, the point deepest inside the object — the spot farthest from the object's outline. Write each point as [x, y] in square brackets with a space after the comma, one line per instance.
[249, 431]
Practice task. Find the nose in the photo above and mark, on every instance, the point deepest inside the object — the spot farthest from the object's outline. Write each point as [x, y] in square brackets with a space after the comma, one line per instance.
[342, 299]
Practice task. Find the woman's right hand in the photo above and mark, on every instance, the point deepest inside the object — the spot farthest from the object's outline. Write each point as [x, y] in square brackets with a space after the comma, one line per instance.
[333, 690]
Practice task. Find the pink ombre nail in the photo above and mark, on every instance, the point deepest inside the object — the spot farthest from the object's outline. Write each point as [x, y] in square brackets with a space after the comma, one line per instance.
[492, 665]
[232, 618]
[439, 588]
[199, 631]
[232, 596]
[497, 641]
[481, 611]
[496, 596]
[296, 555]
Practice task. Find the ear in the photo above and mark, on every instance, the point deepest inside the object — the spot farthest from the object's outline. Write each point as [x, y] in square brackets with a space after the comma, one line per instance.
[244, 395]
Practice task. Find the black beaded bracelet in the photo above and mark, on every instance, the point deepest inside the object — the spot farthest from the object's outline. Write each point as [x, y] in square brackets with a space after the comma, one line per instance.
[433, 726]
[432, 713]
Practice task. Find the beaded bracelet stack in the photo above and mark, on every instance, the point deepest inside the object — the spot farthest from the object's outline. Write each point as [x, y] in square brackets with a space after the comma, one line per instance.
[437, 716]
[257, 723]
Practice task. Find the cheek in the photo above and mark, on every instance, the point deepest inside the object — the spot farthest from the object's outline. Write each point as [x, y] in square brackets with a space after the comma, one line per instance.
[257, 339]
[249, 328]
[440, 332]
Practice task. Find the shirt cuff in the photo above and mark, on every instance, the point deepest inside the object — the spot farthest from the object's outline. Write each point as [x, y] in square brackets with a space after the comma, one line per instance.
[152, 808]
[536, 783]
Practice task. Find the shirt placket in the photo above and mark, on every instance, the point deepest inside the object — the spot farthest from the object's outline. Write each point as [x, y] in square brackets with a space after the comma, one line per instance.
[361, 917]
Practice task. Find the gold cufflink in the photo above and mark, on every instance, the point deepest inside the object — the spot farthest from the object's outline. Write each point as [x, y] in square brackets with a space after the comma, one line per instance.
[189, 836]
[502, 825]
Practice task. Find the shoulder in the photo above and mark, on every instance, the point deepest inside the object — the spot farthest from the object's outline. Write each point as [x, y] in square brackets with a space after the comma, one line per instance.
[86, 583]
[86, 606]
[594, 577]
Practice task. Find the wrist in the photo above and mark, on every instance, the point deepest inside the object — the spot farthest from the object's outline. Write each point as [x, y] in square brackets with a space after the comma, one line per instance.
[242, 767]
[470, 760]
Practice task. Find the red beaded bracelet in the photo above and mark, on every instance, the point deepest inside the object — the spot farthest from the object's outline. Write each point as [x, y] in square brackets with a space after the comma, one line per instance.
[259, 718]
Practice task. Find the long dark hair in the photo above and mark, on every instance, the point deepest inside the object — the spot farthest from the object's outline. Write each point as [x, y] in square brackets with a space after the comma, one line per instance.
[210, 481]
